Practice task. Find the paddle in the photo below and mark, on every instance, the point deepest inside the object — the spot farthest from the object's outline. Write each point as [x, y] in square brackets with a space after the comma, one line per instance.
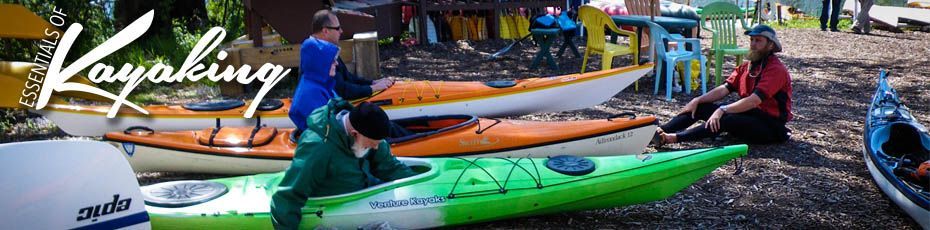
[28, 25]
[71, 167]
[507, 48]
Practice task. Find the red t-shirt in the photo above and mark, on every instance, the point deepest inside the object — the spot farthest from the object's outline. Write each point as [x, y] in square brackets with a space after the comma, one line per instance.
[774, 88]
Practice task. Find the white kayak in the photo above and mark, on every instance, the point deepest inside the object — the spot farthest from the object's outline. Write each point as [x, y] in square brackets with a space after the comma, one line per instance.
[403, 100]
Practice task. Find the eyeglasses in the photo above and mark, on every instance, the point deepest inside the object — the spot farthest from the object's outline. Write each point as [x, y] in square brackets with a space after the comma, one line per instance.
[333, 27]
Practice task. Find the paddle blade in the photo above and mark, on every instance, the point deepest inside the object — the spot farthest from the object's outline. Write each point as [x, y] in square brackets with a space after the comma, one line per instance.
[21, 70]
[506, 48]
[502, 51]
[22, 23]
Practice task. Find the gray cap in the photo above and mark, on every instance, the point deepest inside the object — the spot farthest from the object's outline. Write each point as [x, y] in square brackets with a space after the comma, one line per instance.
[765, 31]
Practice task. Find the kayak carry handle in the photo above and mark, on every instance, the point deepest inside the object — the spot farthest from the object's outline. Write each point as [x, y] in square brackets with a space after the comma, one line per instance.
[129, 130]
[215, 131]
[258, 126]
[623, 114]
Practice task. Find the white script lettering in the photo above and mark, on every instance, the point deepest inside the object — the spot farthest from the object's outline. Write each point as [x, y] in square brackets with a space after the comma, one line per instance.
[192, 69]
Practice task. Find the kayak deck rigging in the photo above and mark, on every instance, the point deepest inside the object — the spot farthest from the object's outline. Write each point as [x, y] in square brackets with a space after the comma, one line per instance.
[537, 179]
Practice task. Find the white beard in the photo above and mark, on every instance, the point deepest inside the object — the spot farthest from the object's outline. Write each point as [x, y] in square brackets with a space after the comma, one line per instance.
[359, 151]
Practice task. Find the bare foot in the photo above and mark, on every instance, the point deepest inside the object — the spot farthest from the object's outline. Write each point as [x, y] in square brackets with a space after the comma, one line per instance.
[668, 138]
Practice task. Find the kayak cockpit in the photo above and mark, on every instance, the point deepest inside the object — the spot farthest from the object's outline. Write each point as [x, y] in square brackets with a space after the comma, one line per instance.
[901, 139]
[413, 128]
[901, 147]
[425, 171]
[418, 127]
[188, 193]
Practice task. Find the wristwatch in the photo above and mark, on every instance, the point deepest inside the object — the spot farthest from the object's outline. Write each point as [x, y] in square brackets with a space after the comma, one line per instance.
[724, 108]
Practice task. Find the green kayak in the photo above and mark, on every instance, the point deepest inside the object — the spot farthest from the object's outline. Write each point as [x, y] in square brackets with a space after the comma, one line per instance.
[447, 191]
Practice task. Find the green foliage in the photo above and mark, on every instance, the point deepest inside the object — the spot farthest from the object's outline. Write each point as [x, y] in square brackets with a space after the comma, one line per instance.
[77, 11]
[228, 14]
[7, 117]
[143, 98]
[385, 41]
[898, 3]
[806, 23]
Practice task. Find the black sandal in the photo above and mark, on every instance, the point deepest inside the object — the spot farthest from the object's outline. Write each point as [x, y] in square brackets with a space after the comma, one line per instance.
[657, 140]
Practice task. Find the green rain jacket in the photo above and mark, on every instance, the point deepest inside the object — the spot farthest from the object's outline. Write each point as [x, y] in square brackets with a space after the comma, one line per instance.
[324, 165]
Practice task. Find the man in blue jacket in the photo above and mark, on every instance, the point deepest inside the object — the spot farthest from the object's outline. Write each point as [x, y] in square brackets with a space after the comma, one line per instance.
[317, 66]
[349, 86]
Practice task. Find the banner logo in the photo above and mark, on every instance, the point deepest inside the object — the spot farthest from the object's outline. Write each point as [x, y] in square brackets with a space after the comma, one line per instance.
[191, 70]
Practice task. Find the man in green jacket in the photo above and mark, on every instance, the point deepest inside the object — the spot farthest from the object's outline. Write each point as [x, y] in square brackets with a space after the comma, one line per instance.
[342, 151]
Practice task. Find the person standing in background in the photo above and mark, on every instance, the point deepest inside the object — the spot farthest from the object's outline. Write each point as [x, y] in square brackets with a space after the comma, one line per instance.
[863, 24]
[825, 12]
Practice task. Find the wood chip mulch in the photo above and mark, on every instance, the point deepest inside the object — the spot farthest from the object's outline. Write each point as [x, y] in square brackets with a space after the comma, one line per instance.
[815, 180]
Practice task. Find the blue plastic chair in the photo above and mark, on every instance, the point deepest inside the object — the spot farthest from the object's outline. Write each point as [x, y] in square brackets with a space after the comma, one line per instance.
[672, 57]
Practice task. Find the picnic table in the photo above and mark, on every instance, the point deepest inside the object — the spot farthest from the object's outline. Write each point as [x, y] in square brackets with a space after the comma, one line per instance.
[671, 24]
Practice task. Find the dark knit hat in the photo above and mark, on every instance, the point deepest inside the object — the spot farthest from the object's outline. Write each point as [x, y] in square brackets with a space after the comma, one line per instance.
[369, 120]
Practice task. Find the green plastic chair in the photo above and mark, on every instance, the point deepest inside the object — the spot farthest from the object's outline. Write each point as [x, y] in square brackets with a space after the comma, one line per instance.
[722, 20]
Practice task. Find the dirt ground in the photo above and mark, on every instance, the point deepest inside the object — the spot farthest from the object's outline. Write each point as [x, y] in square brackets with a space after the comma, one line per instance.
[815, 180]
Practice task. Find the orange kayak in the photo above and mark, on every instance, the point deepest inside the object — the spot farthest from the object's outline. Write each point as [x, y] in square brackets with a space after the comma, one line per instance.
[403, 100]
[243, 150]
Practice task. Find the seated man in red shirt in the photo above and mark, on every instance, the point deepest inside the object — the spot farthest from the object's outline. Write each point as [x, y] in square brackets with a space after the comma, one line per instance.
[759, 116]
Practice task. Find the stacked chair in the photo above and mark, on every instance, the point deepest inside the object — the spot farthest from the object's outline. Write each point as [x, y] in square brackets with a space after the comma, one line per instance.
[722, 19]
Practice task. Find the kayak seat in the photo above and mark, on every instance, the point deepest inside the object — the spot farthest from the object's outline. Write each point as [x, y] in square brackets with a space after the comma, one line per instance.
[270, 104]
[397, 130]
[182, 193]
[214, 105]
[398, 133]
[237, 136]
[501, 83]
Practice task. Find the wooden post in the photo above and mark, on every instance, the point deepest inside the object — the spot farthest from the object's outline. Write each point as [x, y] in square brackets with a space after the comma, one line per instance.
[366, 55]
[652, 12]
[346, 49]
[231, 89]
[421, 13]
[494, 24]
[778, 7]
[253, 24]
